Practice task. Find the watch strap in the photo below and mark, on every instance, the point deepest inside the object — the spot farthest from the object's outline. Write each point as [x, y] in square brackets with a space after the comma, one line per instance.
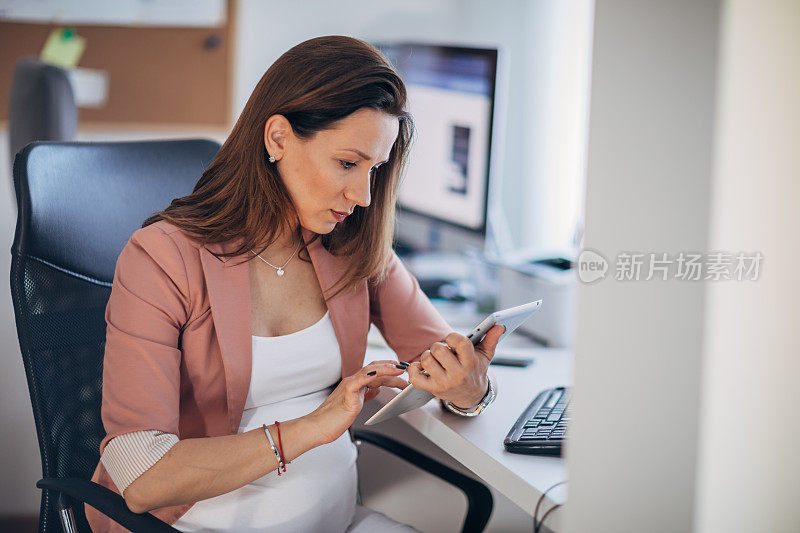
[474, 411]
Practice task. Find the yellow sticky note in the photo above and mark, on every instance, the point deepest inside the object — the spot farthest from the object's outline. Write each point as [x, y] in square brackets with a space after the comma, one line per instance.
[63, 48]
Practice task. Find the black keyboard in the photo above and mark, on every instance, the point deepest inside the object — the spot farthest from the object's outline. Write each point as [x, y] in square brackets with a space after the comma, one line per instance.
[542, 427]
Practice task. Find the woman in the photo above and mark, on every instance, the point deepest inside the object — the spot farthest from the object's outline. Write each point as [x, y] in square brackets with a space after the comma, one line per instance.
[237, 322]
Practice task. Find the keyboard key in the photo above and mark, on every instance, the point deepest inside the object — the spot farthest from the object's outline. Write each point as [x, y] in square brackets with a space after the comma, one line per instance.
[553, 399]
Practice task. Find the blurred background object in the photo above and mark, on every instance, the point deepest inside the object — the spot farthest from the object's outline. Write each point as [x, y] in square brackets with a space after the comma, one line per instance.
[158, 63]
[41, 106]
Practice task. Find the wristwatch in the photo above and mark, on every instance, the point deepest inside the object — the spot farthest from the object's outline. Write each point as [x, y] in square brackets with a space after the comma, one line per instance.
[474, 411]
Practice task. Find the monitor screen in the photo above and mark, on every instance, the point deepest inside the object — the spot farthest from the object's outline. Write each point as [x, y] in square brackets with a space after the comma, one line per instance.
[451, 96]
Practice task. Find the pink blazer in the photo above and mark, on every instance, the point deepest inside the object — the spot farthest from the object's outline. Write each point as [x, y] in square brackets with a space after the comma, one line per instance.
[178, 340]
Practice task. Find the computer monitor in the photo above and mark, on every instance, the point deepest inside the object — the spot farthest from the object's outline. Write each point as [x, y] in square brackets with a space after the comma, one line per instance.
[451, 94]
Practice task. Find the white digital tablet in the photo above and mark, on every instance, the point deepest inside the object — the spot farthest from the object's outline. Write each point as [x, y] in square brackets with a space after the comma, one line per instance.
[411, 397]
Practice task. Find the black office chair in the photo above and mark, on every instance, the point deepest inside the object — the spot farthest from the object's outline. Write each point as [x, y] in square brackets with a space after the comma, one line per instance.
[78, 203]
[41, 105]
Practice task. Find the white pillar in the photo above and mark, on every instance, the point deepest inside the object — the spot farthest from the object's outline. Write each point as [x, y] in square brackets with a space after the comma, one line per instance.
[633, 444]
[749, 456]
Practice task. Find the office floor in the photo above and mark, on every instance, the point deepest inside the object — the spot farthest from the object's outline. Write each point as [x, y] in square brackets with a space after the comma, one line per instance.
[19, 524]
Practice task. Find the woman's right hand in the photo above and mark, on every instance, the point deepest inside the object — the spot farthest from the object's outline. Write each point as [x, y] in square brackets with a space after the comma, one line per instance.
[341, 408]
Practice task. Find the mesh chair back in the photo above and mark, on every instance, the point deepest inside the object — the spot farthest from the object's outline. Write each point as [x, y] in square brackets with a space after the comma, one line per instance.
[78, 203]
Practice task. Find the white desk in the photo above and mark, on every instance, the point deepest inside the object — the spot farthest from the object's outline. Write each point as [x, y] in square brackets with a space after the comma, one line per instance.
[477, 443]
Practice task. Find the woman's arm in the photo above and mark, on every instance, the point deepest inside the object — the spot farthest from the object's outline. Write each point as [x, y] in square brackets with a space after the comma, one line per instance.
[196, 469]
[456, 371]
[403, 314]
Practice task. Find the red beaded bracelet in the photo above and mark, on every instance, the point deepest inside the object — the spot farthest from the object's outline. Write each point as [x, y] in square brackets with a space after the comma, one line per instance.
[280, 445]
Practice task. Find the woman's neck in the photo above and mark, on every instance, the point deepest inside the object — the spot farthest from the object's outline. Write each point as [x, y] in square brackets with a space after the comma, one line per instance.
[284, 241]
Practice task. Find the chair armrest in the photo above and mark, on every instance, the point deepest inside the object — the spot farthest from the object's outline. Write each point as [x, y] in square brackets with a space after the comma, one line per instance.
[106, 501]
[479, 497]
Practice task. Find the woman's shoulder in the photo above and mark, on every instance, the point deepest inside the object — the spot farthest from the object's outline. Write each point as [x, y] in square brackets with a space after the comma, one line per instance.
[165, 233]
[164, 244]
[158, 251]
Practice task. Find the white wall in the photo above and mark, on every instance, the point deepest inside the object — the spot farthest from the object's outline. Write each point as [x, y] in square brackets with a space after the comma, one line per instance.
[632, 453]
[557, 69]
[749, 466]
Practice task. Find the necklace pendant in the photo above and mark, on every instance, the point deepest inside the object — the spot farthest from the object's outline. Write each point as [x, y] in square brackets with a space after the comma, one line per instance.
[280, 272]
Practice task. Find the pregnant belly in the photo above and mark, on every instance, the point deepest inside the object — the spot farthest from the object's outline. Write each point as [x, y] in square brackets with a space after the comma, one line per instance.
[316, 493]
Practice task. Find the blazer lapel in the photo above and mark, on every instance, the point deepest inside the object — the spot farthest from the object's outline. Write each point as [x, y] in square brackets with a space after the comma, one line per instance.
[228, 285]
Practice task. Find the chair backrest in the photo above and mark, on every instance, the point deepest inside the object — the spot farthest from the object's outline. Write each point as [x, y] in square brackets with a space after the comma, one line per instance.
[41, 105]
[78, 203]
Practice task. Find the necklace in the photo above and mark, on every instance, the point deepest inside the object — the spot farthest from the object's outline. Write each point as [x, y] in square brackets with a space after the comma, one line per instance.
[280, 270]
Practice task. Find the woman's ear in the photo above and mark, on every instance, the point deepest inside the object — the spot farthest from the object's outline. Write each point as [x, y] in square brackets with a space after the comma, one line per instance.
[277, 131]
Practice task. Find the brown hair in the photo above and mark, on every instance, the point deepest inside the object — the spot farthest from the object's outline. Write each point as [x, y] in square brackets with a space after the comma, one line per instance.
[313, 85]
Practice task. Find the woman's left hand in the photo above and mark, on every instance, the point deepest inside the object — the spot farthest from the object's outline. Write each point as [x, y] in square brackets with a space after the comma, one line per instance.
[456, 370]
[384, 381]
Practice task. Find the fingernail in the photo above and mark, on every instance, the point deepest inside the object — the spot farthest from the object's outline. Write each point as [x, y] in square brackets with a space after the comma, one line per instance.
[372, 373]
[401, 367]
[403, 363]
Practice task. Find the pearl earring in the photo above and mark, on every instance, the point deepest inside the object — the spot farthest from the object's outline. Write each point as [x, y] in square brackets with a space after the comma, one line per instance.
[272, 159]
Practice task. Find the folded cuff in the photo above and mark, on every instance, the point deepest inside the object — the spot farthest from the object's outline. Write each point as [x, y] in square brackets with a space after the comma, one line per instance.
[128, 456]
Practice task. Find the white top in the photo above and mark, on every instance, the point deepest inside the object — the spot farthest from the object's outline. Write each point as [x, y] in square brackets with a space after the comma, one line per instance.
[291, 376]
